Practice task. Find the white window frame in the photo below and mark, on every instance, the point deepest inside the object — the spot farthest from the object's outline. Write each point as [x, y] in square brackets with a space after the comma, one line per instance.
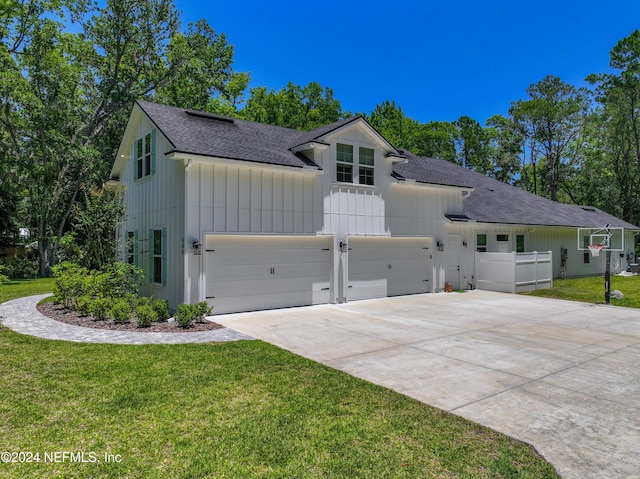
[357, 168]
[144, 150]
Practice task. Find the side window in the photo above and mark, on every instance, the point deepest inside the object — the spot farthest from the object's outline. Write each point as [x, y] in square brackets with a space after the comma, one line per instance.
[132, 246]
[158, 255]
[481, 243]
[519, 243]
[365, 162]
[144, 164]
[344, 163]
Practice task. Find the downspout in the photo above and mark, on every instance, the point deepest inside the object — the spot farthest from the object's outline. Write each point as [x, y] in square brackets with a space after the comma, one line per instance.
[187, 277]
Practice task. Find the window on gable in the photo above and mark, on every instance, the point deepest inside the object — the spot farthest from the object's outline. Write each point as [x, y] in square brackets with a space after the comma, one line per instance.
[144, 156]
[365, 162]
[344, 163]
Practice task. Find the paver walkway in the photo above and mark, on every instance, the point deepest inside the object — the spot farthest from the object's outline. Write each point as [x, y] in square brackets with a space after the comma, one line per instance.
[22, 316]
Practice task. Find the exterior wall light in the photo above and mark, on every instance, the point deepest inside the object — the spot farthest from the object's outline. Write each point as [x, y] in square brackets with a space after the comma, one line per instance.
[196, 247]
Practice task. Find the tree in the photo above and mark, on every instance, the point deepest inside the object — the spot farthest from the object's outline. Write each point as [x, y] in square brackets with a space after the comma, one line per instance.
[203, 60]
[619, 125]
[473, 146]
[505, 147]
[301, 108]
[434, 139]
[65, 97]
[550, 122]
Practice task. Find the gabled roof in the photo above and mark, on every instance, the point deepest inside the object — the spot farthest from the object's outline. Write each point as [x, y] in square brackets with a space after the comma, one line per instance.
[222, 137]
[490, 201]
[493, 201]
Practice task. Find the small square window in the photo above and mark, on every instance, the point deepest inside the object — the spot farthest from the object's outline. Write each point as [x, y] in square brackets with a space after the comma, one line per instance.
[366, 176]
[366, 156]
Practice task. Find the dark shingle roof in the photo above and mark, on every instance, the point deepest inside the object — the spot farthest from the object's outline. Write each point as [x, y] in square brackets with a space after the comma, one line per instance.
[493, 201]
[232, 138]
[490, 202]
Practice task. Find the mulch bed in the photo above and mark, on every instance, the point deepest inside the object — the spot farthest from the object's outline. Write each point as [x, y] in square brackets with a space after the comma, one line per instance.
[65, 315]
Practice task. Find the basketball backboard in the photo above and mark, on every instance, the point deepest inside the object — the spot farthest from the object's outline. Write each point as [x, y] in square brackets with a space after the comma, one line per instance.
[611, 238]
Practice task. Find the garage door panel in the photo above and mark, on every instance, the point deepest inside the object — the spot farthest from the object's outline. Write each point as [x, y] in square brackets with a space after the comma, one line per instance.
[380, 267]
[246, 273]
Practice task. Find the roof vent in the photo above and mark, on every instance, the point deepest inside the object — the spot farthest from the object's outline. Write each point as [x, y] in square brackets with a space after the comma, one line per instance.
[490, 189]
[208, 116]
[588, 208]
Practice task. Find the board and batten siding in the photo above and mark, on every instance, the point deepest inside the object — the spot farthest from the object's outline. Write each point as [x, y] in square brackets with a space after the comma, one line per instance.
[157, 202]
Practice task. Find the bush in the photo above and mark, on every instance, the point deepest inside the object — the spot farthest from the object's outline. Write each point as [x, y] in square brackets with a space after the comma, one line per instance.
[161, 307]
[21, 268]
[203, 310]
[185, 314]
[3, 279]
[69, 283]
[124, 279]
[101, 307]
[145, 314]
[83, 304]
[121, 311]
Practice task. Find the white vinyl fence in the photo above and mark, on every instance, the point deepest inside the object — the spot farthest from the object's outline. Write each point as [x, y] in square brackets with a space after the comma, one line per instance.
[514, 272]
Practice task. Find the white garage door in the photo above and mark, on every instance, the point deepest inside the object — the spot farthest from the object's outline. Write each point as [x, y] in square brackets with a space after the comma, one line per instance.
[380, 267]
[246, 273]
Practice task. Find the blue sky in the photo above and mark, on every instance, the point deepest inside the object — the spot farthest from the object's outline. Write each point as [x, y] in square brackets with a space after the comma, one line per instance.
[438, 60]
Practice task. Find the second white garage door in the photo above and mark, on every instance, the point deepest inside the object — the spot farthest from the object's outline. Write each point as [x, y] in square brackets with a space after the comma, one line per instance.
[387, 266]
[247, 272]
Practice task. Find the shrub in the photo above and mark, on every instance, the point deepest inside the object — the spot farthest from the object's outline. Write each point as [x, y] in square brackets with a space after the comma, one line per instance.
[21, 268]
[161, 307]
[185, 314]
[203, 310]
[100, 308]
[145, 314]
[121, 311]
[83, 304]
[3, 279]
[70, 280]
[124, 279]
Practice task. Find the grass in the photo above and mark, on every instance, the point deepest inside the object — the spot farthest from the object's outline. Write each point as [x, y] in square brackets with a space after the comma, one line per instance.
[591, 290]
[242, 409]
[25, 287]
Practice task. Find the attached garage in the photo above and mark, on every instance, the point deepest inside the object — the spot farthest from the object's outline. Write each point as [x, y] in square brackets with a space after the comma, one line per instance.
[389, 266]
[252, 272]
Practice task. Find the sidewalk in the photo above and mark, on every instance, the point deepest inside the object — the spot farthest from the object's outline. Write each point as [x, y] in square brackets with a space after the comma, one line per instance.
[21, 316]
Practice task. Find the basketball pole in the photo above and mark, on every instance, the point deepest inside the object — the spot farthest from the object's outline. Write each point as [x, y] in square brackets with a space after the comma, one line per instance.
[607, 278]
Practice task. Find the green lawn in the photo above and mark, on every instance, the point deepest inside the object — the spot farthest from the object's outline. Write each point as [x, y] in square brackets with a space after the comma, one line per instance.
[591, 290]
[25, 287]
[242, 409]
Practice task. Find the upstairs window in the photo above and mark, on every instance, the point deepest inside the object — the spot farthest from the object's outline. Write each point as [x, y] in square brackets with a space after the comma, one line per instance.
[344, 163]
[365, 160]
[145, 156]
[352, 168]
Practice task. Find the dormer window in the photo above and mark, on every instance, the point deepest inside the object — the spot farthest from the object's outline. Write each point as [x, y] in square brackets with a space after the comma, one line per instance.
[365, 160]
[344, 163]
[347, 164]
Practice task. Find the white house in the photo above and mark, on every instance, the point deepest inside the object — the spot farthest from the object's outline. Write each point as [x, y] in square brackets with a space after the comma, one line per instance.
[252, 216]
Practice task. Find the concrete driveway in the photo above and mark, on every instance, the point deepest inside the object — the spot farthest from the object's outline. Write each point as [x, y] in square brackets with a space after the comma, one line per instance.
[562, 376]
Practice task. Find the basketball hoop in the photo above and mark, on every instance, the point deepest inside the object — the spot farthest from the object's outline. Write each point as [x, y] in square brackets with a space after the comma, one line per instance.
[595, 249]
